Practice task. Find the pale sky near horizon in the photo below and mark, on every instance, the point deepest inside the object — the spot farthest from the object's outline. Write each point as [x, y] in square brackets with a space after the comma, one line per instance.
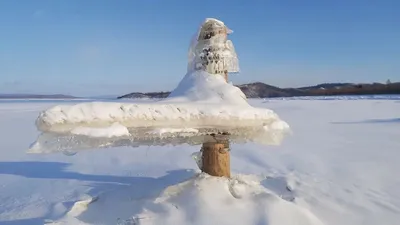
[105, 47]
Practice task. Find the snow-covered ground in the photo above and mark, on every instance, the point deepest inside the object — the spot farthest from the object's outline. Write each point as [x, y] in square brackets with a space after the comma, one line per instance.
[341, 163]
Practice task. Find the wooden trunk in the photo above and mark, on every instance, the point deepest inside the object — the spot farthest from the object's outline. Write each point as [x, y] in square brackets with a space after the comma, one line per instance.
[216, 158]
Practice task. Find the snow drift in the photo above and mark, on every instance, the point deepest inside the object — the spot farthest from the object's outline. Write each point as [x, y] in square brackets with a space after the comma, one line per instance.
[200, 200]
[213, 200]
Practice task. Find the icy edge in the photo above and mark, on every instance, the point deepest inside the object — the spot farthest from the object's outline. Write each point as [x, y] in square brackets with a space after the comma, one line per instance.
[70, 144]
[64, 118]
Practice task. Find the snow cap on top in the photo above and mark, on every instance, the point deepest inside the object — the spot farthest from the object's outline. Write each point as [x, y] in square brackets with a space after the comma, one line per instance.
[216, 23]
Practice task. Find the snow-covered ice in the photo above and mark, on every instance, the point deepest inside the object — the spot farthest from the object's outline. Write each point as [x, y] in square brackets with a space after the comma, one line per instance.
[115, 130]
[163, 131]
[340, 163]
[64, 118]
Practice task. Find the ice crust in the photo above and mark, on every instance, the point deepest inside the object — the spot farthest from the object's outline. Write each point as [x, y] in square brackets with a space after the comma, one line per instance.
[115, 130]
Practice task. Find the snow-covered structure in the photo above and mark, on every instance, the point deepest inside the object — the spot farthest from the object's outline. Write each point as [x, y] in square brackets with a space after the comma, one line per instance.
[202, 101]
[211, 51]
[211, 57]
[204, 109]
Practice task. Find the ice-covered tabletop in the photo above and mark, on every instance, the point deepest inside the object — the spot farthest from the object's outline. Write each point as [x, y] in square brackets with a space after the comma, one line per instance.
[202, 103]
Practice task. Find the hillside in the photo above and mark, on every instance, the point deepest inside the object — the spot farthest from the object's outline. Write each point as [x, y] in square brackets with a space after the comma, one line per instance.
[262, 90]
[357, 89]
[146, 95]
[257, 90]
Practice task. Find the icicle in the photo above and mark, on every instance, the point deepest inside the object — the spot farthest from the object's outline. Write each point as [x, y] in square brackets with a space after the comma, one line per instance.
[197, 158]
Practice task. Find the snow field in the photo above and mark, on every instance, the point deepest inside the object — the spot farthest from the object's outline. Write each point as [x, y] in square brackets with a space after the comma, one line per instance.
[340, 163]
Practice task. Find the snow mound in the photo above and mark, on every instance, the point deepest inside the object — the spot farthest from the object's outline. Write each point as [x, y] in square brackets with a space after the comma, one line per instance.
[210, 200]
[115, 130]
[213, 200]
[200, 86]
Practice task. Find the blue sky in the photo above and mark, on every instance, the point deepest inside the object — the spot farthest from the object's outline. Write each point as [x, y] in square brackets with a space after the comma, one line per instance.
[99, 47]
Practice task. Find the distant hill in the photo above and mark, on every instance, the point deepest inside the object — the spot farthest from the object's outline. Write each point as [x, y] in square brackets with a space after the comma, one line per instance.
[256, 90]
[35, 96]
[357, 89]
[262, 90]
[146, 95]
[326, 86]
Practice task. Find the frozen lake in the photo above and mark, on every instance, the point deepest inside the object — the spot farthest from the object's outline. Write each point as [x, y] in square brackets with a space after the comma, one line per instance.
[341, 161]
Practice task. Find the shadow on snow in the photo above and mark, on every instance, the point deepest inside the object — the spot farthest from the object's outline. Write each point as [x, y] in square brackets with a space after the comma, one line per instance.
[119, 197]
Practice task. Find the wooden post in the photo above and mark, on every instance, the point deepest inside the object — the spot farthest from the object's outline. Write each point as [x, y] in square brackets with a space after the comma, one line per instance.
[216, 158]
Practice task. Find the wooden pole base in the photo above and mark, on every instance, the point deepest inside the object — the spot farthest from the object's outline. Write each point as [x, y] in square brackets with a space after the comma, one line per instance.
[216, 158]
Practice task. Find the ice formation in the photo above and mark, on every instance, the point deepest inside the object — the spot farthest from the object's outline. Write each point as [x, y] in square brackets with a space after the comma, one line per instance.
[203, 100]
[211, 51]
[115, 130]
[49, 142]
[64, 118]
[163, 131]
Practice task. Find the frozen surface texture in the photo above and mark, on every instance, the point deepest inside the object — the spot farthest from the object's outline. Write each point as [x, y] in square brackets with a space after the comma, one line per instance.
[340, 165]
